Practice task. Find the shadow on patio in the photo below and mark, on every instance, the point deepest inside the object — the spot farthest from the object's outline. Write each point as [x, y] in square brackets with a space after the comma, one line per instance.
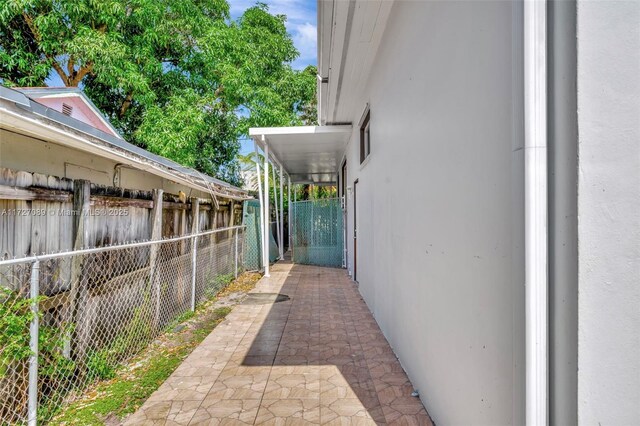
[315, 357]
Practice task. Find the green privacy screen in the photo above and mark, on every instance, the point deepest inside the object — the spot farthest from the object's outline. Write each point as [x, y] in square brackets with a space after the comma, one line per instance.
[317, 232]
[252, 243]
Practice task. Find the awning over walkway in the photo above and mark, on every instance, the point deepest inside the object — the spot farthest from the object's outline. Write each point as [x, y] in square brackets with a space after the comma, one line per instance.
[309, 154]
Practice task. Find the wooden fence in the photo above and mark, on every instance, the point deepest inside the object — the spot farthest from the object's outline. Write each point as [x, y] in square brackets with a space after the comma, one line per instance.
[92, 299]
[46, 214]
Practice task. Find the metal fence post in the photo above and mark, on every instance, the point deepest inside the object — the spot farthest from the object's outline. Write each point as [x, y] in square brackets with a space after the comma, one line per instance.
[193, 272]
[236, 255]
[33, 346]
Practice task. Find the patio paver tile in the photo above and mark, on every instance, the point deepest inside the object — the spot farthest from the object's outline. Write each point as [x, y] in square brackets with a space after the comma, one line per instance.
[317, 358]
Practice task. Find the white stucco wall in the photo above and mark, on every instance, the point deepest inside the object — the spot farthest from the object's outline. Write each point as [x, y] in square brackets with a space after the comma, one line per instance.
[609, 212]
[440, 207]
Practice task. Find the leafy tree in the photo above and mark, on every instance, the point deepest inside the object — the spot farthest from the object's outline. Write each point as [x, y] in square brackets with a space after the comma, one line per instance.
[308, 109]
[177, 77]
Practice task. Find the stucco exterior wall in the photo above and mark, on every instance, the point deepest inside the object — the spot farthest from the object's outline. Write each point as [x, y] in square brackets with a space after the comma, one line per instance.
[440, 205]
[21, 152]
[609, 212]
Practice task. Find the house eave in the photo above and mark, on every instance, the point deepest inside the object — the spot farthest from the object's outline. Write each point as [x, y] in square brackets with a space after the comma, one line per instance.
[38, 121]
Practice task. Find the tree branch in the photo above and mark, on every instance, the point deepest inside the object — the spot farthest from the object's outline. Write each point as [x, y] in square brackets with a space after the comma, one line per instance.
[56, 66]
[71, 65]
[78, 76]
[126, 104]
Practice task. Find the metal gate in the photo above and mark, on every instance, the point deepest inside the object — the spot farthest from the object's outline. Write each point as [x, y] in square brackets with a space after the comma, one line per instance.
[317, 232]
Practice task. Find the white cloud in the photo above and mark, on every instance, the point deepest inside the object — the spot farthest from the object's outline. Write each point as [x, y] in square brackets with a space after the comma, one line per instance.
[305, 39]
[297, 11]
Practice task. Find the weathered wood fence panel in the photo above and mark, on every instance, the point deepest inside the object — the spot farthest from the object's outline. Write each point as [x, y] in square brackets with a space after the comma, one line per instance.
[37, 212]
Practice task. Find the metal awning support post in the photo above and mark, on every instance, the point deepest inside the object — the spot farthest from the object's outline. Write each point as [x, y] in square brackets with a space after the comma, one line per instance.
[255, 148]
[34, 331]
[275, 203]
[293, 229]
[281, 213]
[267, 225]
[289, 205]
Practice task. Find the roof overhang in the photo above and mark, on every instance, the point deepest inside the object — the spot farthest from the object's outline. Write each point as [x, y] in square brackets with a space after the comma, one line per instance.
[19, 115]
[349, 34]
[309, 154]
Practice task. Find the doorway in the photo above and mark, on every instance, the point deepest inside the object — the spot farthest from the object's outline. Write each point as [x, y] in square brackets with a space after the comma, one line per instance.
[355, 230]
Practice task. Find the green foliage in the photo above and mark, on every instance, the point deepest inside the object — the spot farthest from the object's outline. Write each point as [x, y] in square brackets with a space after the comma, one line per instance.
[223, 280]
[181, 318]
[177, 77]
[217, 283]
[54, 368]
[99, 365]
[15, 317]
[316, 192]
[53, 365]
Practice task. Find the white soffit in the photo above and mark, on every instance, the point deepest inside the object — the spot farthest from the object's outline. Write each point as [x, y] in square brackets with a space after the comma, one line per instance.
[309, 154]
[349, 34]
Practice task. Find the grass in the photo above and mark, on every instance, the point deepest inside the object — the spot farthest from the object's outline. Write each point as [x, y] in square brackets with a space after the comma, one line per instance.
[111, 400]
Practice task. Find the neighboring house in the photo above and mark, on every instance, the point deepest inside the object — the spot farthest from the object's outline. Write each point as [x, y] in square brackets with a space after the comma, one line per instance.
[44, 139]
[72, 102]
[53, 140]
[492, 230]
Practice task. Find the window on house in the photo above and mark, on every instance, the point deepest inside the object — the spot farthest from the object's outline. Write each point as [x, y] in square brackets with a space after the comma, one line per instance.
[67, 109]
[365, 139]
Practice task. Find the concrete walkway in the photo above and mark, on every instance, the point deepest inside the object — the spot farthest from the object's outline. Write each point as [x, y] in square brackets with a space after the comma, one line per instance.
[318, 358]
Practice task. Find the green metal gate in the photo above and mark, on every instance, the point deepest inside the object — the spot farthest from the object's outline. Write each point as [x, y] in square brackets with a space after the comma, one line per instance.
[317, 232]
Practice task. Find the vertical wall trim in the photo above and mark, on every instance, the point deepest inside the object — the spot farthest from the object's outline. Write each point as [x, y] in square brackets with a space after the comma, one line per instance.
[281, 230]
[535, 144]
[289, 207]
[267, 226]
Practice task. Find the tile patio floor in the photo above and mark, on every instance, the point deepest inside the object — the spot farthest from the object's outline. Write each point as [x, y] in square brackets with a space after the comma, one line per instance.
[318, 358]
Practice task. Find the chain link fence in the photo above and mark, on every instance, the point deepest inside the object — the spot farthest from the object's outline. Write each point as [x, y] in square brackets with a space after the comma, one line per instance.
[317, 232]
[70, 319]
[251, 219]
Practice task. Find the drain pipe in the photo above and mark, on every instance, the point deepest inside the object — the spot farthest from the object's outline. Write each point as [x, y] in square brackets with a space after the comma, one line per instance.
[536, 251]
